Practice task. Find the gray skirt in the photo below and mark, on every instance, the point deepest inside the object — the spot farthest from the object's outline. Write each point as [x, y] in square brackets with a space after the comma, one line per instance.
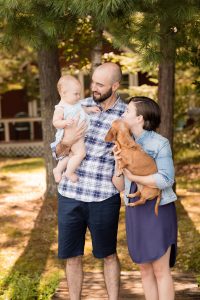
[149, 236]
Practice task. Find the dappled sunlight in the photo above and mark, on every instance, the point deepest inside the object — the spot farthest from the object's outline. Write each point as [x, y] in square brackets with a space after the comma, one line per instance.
[188, 233]
[28, 238]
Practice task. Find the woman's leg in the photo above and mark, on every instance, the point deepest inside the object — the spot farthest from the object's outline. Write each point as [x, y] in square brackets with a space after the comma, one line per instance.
[163, 277]
[149, 282]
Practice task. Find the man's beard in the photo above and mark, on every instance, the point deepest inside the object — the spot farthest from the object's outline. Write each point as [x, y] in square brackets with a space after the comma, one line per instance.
[103, 97]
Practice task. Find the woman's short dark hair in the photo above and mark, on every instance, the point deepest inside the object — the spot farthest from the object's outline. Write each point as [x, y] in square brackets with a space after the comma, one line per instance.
[150, 111]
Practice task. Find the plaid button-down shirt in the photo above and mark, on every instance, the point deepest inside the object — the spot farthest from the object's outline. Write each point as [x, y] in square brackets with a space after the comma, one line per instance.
[96, 170]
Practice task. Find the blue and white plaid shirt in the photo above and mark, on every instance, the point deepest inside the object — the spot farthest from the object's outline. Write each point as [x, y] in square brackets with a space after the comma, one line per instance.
[96, 170]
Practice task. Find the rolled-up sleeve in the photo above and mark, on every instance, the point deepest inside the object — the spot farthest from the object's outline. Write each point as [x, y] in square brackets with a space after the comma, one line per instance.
[165, 176]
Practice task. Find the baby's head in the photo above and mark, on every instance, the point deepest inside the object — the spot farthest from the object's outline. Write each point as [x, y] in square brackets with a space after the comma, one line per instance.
[69, 89]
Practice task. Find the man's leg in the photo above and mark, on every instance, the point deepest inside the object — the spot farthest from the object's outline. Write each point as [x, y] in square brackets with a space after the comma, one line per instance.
[74, 274]
[112, 276]
[103, 225]
[71, 239]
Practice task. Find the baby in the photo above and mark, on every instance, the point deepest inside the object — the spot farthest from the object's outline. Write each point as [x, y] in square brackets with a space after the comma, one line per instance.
[65, 112]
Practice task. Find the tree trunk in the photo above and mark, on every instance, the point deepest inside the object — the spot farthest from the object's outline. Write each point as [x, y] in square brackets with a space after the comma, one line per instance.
[166, 85]
[96, 54]
[49, 70]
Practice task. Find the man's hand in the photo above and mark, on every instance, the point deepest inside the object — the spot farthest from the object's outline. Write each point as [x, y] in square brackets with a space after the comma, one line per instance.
[69, 122]
[74, 132]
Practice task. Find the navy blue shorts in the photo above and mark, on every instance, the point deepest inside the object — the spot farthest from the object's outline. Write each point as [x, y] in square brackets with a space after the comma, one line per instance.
[100, 217]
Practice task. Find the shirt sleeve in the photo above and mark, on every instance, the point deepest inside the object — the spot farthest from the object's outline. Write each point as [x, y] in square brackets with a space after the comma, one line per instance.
[165, 176]
[59, 107]
[85, 102]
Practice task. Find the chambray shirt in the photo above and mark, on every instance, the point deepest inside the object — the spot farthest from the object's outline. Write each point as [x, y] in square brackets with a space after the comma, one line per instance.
[96, 170]
[159, 149]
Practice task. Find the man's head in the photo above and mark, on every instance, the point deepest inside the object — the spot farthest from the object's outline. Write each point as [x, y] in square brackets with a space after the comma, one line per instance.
[69, 89]
[105, 81]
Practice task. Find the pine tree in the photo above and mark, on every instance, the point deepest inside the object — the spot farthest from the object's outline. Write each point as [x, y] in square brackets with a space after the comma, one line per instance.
[38, 24]
[157, 29]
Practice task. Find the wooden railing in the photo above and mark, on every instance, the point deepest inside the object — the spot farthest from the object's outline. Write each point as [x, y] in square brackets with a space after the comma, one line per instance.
[13, 121]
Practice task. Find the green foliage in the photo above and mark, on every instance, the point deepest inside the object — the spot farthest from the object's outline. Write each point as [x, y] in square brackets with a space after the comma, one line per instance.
[141, 22]
[21, 287]
[18, 70]
[48, 286]
[25, 287]
[35, 23]
[76, 49]
[27, 165]
[187, 128]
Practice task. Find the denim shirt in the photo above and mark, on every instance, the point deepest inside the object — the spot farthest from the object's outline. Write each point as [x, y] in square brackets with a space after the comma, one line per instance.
[159, 149]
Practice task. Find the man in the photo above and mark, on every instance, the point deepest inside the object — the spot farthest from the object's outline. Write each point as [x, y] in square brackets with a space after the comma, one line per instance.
[93, 201]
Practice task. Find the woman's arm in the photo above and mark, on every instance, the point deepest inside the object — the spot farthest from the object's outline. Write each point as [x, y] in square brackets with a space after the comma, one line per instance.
[144, 180]
[118, 181]
[164, 177]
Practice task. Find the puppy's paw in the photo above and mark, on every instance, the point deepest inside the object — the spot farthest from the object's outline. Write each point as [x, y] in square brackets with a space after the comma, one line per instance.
[131, 204]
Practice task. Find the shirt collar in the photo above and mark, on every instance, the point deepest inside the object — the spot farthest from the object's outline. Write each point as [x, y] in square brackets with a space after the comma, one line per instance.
[112, 107]
[142, 136]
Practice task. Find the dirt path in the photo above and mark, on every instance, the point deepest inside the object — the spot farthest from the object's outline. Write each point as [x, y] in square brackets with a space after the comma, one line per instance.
[131, 287]
[21, 201]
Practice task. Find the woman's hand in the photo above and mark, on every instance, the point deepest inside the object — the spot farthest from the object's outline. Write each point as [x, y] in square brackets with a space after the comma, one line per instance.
[74, 132]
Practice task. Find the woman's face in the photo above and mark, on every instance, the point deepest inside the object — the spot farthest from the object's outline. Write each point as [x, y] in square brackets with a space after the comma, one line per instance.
[130, 116]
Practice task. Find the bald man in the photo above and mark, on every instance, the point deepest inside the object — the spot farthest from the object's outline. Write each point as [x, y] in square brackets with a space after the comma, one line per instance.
[93, 202]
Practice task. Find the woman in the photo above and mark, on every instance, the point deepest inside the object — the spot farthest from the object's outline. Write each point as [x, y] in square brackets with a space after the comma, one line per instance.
[152, 240]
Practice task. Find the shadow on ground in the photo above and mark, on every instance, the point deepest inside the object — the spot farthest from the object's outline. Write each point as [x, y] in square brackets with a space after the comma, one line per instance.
[31, 264]
[189, 239]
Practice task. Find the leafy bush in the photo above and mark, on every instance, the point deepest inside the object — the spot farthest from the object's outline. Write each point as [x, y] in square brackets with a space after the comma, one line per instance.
[27, 287]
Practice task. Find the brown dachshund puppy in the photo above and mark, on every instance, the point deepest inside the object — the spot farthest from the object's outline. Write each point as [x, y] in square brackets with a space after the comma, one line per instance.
[135, 160]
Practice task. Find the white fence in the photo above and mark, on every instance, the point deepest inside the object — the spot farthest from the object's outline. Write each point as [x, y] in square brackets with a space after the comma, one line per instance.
[14, 121]
[13, 148]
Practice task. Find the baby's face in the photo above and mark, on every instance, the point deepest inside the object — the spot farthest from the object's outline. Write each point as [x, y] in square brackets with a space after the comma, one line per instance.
[70, 92]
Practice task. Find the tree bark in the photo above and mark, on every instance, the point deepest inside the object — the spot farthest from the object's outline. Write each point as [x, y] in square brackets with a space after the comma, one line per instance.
[49, 71]
[96, 54]
[166, 84]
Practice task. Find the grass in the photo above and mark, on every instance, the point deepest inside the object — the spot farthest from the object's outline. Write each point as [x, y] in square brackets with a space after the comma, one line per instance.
[29, 267]
[187, 170]
[22, 165]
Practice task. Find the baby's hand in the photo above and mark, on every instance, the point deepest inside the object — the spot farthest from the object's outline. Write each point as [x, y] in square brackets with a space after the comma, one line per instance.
[69, 122]
[95, 109]
[92, 109]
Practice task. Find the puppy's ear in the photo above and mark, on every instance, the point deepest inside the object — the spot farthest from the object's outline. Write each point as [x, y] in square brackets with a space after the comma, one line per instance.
[125, 139]
[111, 136]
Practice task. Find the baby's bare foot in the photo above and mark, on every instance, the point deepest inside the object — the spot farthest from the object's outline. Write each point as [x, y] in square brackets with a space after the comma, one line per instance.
[72, 177]
[57, 175]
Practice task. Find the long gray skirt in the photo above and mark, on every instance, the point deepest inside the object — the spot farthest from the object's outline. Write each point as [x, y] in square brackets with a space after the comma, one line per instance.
[149, 236]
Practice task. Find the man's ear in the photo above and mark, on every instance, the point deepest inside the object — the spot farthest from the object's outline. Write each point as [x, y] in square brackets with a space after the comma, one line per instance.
[115, 86]
[111, 136]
